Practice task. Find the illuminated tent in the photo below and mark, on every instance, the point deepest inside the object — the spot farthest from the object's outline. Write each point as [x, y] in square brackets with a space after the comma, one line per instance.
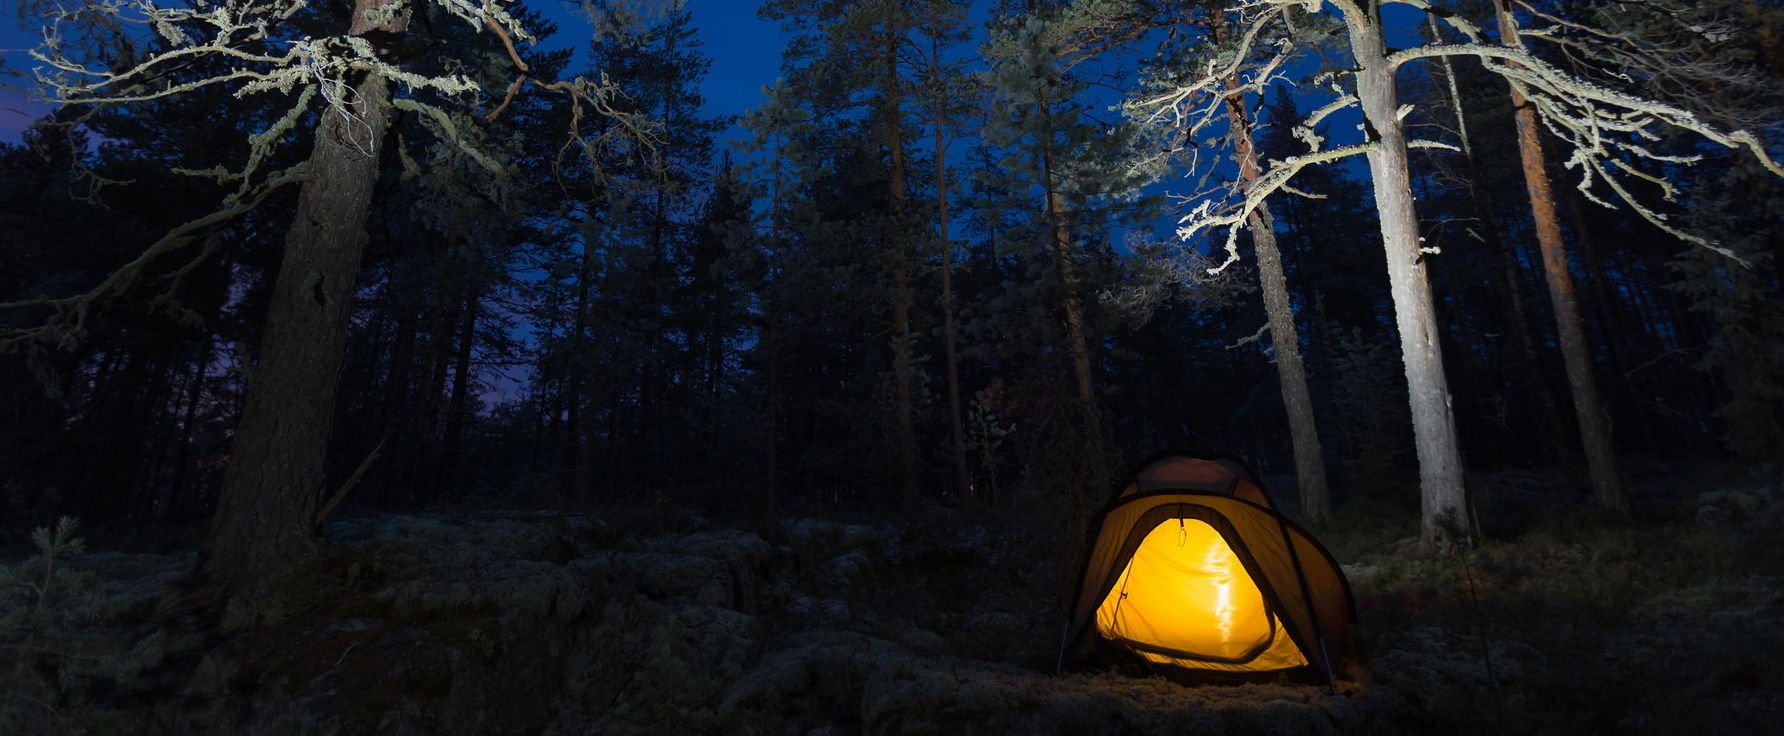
[1191, 566]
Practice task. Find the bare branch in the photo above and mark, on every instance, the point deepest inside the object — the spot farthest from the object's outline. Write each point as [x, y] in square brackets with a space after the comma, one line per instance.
[67, 324]
[241, 45]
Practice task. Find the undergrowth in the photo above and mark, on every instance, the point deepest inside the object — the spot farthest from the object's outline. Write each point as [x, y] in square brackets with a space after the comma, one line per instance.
[1559, 620]
[1577, 624]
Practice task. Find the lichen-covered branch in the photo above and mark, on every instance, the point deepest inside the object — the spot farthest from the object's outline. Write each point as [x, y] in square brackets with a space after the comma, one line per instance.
[66, 325]
[1613, 136]
[1609, 133]
[246, 47]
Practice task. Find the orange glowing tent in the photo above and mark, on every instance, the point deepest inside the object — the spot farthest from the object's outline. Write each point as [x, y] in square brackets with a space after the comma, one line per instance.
[1190, 566]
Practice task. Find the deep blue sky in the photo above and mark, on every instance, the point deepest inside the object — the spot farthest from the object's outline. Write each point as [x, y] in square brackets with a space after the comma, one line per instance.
[745, 52]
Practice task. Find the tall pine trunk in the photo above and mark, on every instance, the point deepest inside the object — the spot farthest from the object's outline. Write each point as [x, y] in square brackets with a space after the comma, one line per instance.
[1610, 307]
[576, 456]
[458, 410]
[1570, 329]
[188, 417]
[950, 350]
[1088, 472]
[901, 282]
[1060, 241]
[1077, 343]
[1310, 465]
[771, 343]
[264, 532]
[1441, 495]
[1511, 297]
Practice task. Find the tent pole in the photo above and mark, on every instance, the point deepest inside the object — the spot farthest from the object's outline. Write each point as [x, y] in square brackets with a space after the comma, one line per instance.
[1319, 632]
[1064, 641]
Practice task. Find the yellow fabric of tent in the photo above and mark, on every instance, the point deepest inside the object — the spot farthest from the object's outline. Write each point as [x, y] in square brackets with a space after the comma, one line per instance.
[1191, 566]
[1185, 590]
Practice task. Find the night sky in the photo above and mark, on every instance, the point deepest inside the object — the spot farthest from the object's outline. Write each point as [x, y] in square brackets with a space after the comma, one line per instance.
[745, 52]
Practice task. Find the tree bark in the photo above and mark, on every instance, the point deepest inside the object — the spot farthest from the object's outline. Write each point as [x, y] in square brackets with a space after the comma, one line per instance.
[1512, 296]
[901, 281]
[422, 481]
[264, 531]
[1768, 35]
[188, 416]
[962, 485]
[1310, 466]
[771, 339]
[1441, 494]
[1077, 344]
[1059, 238]
[576, 456]
[458, 406]
[1595, 436]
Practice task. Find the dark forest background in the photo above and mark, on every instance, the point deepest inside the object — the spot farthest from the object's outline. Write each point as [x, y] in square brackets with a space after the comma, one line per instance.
[403, 380]
[723, 326]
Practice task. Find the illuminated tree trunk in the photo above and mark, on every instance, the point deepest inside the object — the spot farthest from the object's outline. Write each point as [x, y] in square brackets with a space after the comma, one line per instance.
[1310, 466]
[1595, 436]
[1441, 493]
[264, 530]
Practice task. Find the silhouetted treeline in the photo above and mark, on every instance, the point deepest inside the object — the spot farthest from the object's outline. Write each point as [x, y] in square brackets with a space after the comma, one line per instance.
[760, 325]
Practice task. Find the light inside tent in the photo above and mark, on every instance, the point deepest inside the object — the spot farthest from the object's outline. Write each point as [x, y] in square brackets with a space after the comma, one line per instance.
[1186, 591]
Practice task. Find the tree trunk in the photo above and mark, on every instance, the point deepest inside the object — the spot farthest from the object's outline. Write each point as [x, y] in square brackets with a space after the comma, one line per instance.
[1595, 436]
[962, 485]
[188, 416]
[770, 490]
[1059, 238]
[1441, 493]
[901, 281]
[576, 457]
[424, 479]
[771, 316]
[395, 408]
[1077, 341]
[265, 528]
[1768, 38]
[1310, 466]
[458, 406]
[1512, 296]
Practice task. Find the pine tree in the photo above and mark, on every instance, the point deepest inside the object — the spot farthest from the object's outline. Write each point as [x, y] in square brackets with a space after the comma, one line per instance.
[947, 88]
[1201, 36]
[1601, 460]
[263, 534]
[1573, 108]
[850, 58]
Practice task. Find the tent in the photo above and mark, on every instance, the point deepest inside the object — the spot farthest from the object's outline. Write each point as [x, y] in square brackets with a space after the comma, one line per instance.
[1190, 566]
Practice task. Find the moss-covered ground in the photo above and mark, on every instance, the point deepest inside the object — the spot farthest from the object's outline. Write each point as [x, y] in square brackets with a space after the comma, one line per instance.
[1559, 620]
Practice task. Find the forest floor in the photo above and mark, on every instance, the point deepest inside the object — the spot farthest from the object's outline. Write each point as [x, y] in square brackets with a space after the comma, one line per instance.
[487, 622]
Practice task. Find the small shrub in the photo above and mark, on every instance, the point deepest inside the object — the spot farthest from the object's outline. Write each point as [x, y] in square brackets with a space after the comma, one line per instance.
[34, 594]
